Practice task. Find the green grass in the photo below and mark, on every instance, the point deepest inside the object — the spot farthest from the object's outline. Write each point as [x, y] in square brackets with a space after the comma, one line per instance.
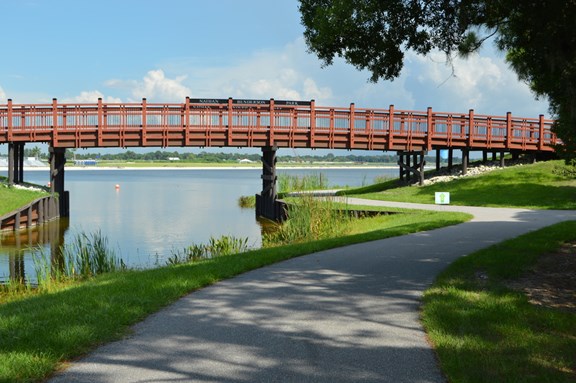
[39, 331]
[13, 198]
[534, 186]
[485, 332]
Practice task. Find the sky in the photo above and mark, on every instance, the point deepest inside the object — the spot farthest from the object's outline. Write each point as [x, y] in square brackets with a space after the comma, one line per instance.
[123, 51]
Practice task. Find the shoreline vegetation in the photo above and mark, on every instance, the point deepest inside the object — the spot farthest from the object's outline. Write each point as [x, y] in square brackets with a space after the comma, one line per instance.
[81, 315]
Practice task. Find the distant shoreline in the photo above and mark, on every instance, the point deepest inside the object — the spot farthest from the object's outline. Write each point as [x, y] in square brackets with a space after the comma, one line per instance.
[96, 168]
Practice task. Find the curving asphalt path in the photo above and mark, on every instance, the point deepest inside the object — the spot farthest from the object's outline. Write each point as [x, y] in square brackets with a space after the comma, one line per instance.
[344, 315]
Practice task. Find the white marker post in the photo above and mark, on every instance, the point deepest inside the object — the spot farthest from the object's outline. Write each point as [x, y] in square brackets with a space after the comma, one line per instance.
[442, 198]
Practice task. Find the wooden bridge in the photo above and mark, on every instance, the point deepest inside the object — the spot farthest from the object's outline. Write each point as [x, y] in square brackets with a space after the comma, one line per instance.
[267, 124]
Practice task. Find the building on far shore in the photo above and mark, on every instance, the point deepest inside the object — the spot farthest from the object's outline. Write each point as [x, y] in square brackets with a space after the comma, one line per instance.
[88, 162]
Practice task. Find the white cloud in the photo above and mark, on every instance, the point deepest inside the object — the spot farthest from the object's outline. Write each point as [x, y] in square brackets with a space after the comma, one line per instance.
[312, 91]
[155, 86]
[482, 82]
[89, 97]
[3, 98]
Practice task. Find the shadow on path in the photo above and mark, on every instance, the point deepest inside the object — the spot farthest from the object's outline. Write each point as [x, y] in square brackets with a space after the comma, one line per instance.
[343, 315]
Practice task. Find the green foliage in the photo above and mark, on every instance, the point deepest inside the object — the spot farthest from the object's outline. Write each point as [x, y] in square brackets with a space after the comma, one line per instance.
[290, 183]
[538, 37]
[87, 255]
[247, 202]
[309, 219]
[216, 247]
[223, 158]
[484, 332]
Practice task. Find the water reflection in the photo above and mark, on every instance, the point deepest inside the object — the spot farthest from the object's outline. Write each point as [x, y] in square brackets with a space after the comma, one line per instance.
[153, 213]
[16, 248]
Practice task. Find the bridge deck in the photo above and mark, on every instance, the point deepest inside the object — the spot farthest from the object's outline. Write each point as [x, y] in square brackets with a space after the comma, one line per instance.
[264, 123]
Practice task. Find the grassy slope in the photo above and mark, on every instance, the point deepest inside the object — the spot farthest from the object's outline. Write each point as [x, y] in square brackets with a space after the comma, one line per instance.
[529, 186]
[38, 332]
[484, 332]
[12, 199]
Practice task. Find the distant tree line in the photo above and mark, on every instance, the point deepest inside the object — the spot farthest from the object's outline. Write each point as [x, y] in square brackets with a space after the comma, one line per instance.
[205, 157]
[158, 155]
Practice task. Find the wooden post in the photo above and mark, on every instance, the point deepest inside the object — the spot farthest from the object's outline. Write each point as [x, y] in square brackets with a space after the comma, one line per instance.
[351, 124]
[267, 204]
[541, 133]
[10, 163]
[100, 121]
[508, 129]
[429, 129]
[391, 127]
[10, 123]
[312, 122]
[470, 128]
[421, 167]
[438, 151]
[15, 163]
[450, 158]
[272, 124]
[465, 159]
[57, 161]
[144, 125]
[230, 119]
[400, 162]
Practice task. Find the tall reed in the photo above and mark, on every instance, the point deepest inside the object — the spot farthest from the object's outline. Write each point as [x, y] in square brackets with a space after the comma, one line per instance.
[216, 247]
[289, 183]
[309, 219]
[85, 256]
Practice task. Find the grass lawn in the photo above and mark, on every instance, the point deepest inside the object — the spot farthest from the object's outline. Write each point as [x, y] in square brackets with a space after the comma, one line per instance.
[482, 331]
[39, 331]
[529, 186]
[12, 198]
[485, 332]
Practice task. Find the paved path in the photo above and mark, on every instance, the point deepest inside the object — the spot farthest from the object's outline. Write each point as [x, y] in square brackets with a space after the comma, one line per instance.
[343, 315]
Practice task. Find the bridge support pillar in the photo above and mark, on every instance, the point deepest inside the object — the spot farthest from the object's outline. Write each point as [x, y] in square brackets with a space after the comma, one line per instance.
[267, 204]
[15, 163]
[465, 160]
[57, 161]
[416, 169]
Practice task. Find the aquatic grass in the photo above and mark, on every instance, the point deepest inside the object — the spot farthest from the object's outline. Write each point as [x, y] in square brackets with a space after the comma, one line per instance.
[483, 332]
[216, 247]
[247, 202]
[41, 331]
[85, 256]
[309, 219]
[290, 183]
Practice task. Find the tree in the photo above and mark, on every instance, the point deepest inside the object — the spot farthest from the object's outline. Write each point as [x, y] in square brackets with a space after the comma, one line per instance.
[538, 37]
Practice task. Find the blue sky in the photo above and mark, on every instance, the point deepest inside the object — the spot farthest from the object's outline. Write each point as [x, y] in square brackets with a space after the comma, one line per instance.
[77, 51]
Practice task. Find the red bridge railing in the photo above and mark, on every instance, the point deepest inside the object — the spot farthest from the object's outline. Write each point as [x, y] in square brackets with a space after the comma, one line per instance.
[261, 123]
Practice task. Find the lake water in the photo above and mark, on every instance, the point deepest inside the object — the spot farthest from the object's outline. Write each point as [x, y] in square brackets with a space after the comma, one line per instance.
[155, 212]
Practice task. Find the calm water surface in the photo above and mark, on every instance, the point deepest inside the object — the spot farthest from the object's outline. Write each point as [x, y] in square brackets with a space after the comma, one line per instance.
[155, 212]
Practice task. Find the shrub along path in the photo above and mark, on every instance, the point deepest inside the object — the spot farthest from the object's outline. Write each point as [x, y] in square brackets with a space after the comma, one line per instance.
[344, 315]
